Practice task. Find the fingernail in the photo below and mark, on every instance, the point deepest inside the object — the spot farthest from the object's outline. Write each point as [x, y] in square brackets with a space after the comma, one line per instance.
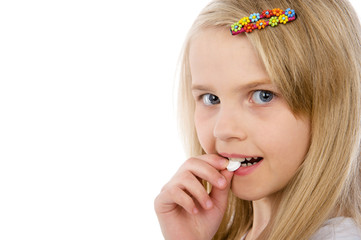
[222, 182]
[195, 211]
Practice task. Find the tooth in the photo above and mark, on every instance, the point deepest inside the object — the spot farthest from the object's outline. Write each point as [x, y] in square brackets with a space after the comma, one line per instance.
[244, 164]
[237, 159]
[248, 159]
[249, 164]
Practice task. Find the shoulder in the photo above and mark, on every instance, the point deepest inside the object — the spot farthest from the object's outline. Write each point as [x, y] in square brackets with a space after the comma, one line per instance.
[338, 228]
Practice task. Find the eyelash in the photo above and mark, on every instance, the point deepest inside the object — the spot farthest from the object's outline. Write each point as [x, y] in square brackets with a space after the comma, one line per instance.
[272, 96]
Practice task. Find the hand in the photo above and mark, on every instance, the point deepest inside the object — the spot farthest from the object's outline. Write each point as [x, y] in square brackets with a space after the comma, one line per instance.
[184, 208]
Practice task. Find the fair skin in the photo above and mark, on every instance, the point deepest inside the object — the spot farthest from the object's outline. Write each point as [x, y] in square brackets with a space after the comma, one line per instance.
[238, 112]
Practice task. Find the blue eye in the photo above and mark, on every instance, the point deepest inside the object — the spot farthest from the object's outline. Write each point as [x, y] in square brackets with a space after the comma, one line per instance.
[262, 96]
[210, 99]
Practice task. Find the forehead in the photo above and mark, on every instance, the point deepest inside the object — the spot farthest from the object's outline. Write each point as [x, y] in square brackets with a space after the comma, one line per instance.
[216, 54]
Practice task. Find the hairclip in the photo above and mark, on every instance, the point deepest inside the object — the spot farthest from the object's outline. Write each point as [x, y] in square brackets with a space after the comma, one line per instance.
[256, 20]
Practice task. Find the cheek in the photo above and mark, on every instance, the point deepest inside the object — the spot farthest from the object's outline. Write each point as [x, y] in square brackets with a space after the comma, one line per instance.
[288, 141]
[204, 129]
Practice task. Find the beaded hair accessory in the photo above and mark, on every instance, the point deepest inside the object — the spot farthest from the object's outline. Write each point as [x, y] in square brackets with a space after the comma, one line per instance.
[256, 20]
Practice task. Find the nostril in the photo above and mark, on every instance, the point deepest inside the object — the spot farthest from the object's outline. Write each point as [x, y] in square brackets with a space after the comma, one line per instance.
[228, 127]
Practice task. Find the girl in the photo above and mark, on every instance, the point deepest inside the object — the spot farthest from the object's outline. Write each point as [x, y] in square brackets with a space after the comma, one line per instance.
[283, 102]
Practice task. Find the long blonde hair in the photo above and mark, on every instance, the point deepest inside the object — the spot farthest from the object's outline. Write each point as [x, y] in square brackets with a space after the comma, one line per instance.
[315, 62]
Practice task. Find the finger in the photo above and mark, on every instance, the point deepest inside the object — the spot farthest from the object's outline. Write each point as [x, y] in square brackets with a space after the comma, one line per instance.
[203, 170]
[168, 200]
[219, 196]
[218, 162]
[196, 190]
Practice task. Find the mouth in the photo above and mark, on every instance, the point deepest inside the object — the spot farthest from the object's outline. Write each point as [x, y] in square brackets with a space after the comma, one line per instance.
[242, 162]
[246, 162]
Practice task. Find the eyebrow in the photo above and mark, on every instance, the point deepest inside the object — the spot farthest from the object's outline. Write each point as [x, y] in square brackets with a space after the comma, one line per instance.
[253, 84]
[197, 87]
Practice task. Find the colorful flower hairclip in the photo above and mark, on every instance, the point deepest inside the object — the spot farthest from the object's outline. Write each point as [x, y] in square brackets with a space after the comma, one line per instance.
[256, 20]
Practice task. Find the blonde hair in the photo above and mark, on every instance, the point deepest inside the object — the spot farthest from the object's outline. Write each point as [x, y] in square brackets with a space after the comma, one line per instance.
[315, 62]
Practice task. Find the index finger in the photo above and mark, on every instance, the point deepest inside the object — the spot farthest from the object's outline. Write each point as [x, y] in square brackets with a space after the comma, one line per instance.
[216, 161]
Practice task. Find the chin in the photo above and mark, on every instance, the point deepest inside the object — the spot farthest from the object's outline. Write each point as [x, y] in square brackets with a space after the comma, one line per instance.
[249, 197]
[251, 194]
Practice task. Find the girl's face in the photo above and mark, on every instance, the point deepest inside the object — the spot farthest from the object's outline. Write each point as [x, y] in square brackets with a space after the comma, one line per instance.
[241, 114]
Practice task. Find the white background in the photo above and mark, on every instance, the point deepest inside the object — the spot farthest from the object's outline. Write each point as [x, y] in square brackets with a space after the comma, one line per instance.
[88, 132]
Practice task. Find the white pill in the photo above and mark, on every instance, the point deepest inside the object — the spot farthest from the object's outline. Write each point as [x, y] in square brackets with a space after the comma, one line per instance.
[233, 166]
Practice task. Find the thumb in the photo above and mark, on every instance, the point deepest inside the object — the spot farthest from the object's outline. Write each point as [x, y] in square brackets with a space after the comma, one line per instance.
[220, 195]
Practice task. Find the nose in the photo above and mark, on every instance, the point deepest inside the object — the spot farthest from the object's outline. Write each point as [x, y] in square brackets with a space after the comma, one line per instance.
[230, 125]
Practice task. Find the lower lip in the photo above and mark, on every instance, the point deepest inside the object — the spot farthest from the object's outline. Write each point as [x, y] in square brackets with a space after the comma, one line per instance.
[243, 171]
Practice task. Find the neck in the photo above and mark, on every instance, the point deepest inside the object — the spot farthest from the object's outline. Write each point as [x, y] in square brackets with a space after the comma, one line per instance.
[262, 212]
